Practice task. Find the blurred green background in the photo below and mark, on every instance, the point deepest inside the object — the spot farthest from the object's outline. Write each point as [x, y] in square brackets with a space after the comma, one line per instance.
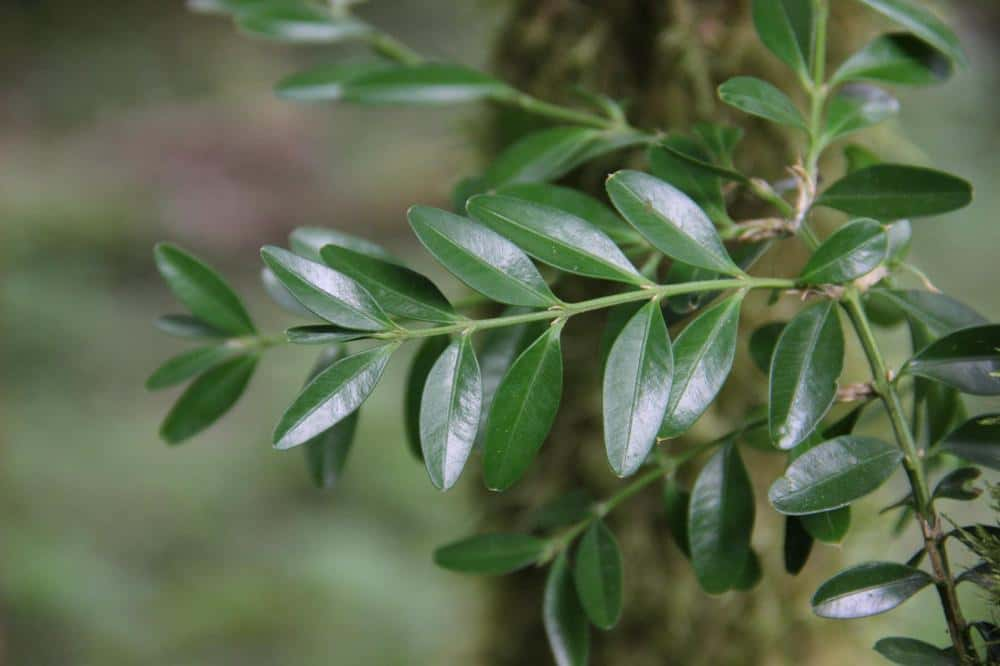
[124, 122]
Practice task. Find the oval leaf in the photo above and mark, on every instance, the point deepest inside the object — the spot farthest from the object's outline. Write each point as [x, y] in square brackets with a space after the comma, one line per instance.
[857, 107]
[322, 334]
[923, 24]
[481, 258]
[855, 249]
[895, 191]
[762, 343]
[669, 220]
[828, 526]
[673, 161]
[760, 98]
[207, 399]
[565, 621]
[186, 326]
[490, 554]
[326, 454]
[308, 242]
[899, 58]
[539, 157]
[185, 366]
[598, 575]
[868, 589]
[804, 369]
[786, 28]
[416, 379]
[425, 84]
[325, 82]
[911, 652]
[977, 440]
[967, 360]
[637, 379]
[300, 24]
[941, 314]
[797, 545]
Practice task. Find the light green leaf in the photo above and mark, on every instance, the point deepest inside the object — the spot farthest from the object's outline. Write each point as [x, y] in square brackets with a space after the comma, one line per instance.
[565, 621]
[281, 296]
[760, 98]
[423, 84]
[598, 575]
[967, 360]
[207, 399]
[899, 58]
[895, 191]
[490, 554]
[854, 250]
[857, 107]
[325, 82]
[786, 28]
[186, 326]
[300, 24]
[185, 366]
[868, 589]
[923, 24]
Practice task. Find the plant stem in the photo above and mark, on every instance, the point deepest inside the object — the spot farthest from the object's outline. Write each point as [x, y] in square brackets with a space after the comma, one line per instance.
[930, 523]
[567, 310]
[817, 91]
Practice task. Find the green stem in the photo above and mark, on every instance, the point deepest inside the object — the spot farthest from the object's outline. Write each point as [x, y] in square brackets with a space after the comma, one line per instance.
[390, 47]
[534, 105]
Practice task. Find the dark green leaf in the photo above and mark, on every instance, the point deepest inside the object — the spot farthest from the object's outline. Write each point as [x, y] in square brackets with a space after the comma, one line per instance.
[598, 575]
[555, 237]
[427, 84]
[566, 509]
[703, 358]
[308, 242]
[566, 625]
[828, 526]
[183, 367]
[705, 189]
[855, 249]
[750, 573]
[762, 344]
[977, 440]
[834, 474]
[939, 312]
[786, 28]
[923, 24]
[868, 589]
[280, 294]
[804, 369]
[481, 258]
[683, 305]
[300, 24]
[398, 290]
[202, 290]
[490, 554]
[326, 292]
[637, 379]
[895, 191]
[324, 83]
[797, 546]
[676, 503]
[857, 107]
[449, 412]
[911, 652]
[186, 326]
[523, 411]
[859, 157]
[539, 157]
[670, 220]
[326, 454]
[207, 398]
[760, 98]
[322, 334]
[331, 396]
[428, 352]
[706, 168]
[721, 140]
[967, 360]
[899, 58]
[720, 521]
[956, 485]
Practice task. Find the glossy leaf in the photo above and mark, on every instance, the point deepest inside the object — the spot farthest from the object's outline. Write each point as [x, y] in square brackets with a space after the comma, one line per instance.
[940, 313]
[895, 191]
[523, 411]
[676, 502]
[720, 520]
[868, 589]
[828, 526]
[300, 24]
[786, 28]
[696, 163]
[762, 343]
[671, 161]
[449, 412]
[184, 366]
[857, 107]
[481, 258]
[490, 554]
[281, 296]
[834, 474]
[555, 237]
[967, 360]
[202, 290]
[308, 242]
[798, 544]
[424, 84]
[398, 290]
[186, 326]
[669, 220]
[322, 334]
[326, 292]
[565, 621]
[912, 652]
[637, 380]
[852, 251]
[416, 379]
[977, 440]
[207, 399]
[326, 454]
[957, 485]
[703, 359]
[900, 58]
[539, 157]
[598, 575]
[325, 82]
[805, 366]
[760, 98]
[923, 24]
[331, 396]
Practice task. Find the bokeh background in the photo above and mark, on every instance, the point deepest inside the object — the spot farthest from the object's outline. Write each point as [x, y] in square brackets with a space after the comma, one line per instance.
[123, 122]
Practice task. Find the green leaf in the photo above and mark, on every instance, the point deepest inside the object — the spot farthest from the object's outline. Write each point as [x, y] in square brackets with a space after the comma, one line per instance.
[308, 242]
[540, 156]
[202, 290]
[911, 652]
[637, 379]
[682, 305]
[786, 27]
[207, 398]
[868, 589]
[555, 237]
[923, 24]
[325, 82]
[280, 294]
[900, 58]
[804, 369]
[326, 454]
[562, 511]
[696, 163]
[750, 573]
[760, 98]
[895, 191]
[967, 360]
[703, 358]
[941, 314]
[183, 367]
[977, 440]
[523, 411]
[416, 379]
[854, 250]
[834, 474]
[579, 204]
[956, 485]
[857, 107]
[859, 157]
[720, 521]
[598, 575]
[828, 526]
[705, 189]
[721, 140]
[565, 622]
[481, 258]
[490, 554]
[331, 396]
[676, 503]
[322, 334]
[762, 343]
[398, 290]
[424, 84]
[326, 292]
[797, 545]
[450, 411]
[300, 24]
[670, 220]
[186, 326]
